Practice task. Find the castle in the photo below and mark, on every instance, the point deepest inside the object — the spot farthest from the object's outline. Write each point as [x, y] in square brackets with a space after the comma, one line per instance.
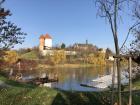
[45, 46]
[45, 42]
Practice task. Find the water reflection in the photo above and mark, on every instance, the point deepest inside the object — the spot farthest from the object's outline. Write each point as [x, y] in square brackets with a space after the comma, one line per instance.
[70, 78]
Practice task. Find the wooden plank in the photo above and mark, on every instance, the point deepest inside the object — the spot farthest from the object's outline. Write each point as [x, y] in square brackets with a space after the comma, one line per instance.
[122, 56]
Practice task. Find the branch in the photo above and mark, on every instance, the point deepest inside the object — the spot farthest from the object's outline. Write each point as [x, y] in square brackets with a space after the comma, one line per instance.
[110, 19]
[129, 34]
[1, 1]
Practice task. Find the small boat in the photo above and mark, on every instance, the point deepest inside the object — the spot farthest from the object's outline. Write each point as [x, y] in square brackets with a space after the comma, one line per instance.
[39, 81]
[34, 80]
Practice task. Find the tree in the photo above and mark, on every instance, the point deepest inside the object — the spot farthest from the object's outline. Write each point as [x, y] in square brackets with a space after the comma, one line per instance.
[108, 53]
[63, 46]
[10, 34]
[91, 58]
[135, 45]
[110, 10]
[10, 57]
[96, 58]
[100, 58]
[58, 56]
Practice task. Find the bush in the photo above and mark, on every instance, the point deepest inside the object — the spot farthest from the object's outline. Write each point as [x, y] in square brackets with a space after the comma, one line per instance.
[11, 57]
[26, 64]
[58, 57]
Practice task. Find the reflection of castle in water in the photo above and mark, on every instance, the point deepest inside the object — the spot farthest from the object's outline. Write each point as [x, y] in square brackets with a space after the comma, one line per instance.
[69, 78]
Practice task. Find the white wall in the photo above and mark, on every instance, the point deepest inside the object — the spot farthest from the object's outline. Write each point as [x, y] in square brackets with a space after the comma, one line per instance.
[48, 43]
[111, 58]
[47, 52]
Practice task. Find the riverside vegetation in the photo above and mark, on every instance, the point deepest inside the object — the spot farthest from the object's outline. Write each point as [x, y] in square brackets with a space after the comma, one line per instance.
[33, 95]
[14, 93]
[58, 59]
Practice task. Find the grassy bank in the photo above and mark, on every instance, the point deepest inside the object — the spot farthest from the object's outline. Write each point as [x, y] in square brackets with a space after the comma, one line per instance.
[24, 94]
[135, 85]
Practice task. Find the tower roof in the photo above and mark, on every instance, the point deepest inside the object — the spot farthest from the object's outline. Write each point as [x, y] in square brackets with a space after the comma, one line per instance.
[41, 37]
[47, 36]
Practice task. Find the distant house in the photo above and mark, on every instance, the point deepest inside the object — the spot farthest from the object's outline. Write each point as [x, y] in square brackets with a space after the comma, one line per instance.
[85, 47]
[82, 46]
[70, 52]
[45, 42]
[110, 58]
[102, 50]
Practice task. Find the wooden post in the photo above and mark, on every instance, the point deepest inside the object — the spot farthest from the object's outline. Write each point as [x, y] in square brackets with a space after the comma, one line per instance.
[113, 80]
[118, 78]
[19, 66]
[119, 81]
[130, 81]
[130, 76]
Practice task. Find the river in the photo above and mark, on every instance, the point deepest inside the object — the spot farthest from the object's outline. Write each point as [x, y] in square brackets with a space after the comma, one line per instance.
[70, 78]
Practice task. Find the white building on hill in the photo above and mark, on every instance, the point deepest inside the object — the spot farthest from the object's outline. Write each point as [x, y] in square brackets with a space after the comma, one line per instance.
[45, 42]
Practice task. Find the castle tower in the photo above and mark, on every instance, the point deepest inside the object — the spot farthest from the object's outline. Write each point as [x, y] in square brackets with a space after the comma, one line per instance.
[45, 42]
[42, 43]
[48, 41]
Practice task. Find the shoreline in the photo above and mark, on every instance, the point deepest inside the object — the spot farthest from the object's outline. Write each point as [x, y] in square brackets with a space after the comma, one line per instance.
[70, 66]
[31, 95]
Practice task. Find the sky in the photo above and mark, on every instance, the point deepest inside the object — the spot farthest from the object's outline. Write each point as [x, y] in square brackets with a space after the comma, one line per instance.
[66, 21]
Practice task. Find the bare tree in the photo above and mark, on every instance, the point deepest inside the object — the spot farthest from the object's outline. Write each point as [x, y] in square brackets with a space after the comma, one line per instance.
[135, 45]
[111, 11]
[134, 29]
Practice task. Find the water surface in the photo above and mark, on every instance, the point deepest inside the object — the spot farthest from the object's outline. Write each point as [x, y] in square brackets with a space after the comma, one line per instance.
[71, 78]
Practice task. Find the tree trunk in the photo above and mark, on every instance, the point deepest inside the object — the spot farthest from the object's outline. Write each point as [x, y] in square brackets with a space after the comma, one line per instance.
[117, 52]
[130, 81]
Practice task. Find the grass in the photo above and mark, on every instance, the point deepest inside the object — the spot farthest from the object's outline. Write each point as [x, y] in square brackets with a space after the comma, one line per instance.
[30, 55]
[136, 83]
[25, 94]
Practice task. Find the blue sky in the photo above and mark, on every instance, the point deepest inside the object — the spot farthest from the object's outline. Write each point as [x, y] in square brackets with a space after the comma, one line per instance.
[67, 21]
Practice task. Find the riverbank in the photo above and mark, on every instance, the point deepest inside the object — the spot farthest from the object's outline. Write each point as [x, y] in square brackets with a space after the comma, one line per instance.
[33, 95]
[68, 66]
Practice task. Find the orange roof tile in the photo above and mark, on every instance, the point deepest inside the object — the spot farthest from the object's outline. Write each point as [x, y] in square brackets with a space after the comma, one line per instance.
[47, 36]
[41, 37]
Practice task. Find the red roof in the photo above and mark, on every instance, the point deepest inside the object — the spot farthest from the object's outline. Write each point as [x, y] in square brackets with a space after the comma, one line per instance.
[47, 36]
[41, 37]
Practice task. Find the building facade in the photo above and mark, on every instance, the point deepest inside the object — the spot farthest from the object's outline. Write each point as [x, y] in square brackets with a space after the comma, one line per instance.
[45, 42]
